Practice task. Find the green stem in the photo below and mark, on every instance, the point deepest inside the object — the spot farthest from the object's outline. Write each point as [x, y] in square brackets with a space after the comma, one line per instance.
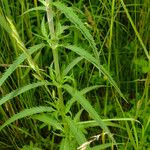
[109, 54]
[54, 49]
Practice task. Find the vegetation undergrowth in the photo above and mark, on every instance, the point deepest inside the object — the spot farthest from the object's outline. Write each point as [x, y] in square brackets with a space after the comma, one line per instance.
[74, 75]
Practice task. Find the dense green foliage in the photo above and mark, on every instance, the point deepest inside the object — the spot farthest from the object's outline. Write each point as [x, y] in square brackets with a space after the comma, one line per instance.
[74, 74]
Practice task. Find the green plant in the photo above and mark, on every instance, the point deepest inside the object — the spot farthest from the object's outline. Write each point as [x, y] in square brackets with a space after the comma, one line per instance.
[68, 75]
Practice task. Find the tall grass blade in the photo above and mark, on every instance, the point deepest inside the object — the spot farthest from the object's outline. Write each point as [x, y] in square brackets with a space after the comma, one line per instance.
[108, 122]
[135, 30]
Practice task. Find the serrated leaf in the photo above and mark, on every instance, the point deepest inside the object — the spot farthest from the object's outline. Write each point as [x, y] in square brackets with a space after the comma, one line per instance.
[83, 91]
[68, 11]
[20, 91]
[18, 61]
[71, 65]
[68, 144]
[49, 120]
[35, 9]
[80, 51]
[79, 136]
[43, 29]
[60, 29]
[25, 113]
[88, 107]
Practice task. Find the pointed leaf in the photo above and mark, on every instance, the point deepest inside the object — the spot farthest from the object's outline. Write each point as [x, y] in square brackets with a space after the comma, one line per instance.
[48, 119]
[25, 113]
[87, 106]
[80, 138]
[68, 11]
[20, 91]
[18, 61]
[91, 59]
[71, 65]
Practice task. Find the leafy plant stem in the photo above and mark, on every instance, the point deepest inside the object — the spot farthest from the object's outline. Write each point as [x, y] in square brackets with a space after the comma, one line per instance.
[54, 49]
